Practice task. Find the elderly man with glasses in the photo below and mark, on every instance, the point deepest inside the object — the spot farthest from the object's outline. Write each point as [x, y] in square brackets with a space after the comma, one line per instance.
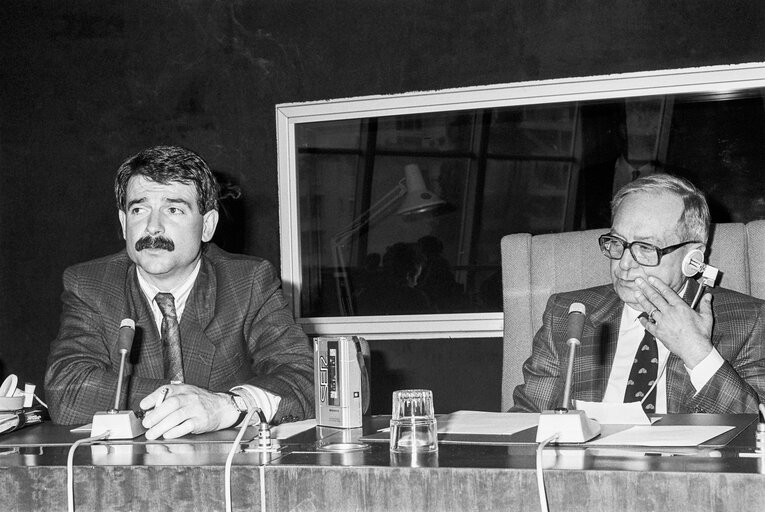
[642, 340]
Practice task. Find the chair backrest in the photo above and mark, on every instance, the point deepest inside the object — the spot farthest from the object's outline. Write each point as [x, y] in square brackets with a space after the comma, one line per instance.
[535, 267]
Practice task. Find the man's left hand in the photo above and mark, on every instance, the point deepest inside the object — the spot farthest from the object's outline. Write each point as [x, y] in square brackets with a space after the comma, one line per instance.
[685, 332]
[186, 409]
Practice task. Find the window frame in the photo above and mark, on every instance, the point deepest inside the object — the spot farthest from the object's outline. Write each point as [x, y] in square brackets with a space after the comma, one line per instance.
[469, 325]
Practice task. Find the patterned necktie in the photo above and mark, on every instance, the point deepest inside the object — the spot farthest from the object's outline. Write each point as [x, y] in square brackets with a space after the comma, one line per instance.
[171, 337]
[644, 372]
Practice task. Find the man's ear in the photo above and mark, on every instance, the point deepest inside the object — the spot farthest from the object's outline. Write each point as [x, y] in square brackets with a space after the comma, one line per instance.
[701, 251]
[121, 215]
[209, 223]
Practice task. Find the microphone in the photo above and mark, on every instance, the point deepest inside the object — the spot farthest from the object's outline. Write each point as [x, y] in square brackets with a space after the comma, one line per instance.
[119, 424]
[564, 424]
[125, 336]
[576, 315]
[124, 342]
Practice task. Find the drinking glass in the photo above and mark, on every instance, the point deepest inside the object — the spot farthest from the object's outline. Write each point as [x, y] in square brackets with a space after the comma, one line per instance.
[413, 426]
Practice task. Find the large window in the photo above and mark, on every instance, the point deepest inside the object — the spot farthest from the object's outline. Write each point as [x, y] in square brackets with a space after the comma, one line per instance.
[392, 208]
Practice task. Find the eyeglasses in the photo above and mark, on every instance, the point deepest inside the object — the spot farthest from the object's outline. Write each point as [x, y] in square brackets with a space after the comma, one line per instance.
[645, 254]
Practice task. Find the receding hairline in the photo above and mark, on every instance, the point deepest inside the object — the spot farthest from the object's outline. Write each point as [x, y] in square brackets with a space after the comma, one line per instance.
[694, 222]
[683, 226]
[679, 226]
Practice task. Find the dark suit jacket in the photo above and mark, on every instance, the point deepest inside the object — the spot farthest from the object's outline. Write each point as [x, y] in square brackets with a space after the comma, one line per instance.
[738, 335]
[237, 328]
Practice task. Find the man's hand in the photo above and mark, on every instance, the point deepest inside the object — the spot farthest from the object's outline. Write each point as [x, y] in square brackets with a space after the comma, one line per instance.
[186, 409]
[682, 330]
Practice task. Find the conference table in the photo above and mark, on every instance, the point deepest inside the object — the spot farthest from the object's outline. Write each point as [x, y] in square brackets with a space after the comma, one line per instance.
[323, 468]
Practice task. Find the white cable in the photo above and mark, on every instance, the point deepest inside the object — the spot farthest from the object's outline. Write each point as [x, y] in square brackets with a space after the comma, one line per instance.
[699, 292]
[70, 464]
[262, 470]
[540, 478]
[230, 458]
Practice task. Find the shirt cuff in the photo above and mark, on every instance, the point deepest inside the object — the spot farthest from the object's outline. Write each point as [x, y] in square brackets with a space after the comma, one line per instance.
[260, 398]
[705, 370]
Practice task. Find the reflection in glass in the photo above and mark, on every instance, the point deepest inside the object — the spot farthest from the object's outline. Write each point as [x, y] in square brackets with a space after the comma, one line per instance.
[526, 168]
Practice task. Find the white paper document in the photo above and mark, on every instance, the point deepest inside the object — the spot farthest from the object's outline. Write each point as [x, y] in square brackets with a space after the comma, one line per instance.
[612, 413]
[487, 423]
[287, 430]
[657, 435]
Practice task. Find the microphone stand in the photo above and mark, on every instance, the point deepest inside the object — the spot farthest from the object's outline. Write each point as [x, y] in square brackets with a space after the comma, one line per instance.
[119, 424]
[573, 343]
[118, 394]
[568, 425]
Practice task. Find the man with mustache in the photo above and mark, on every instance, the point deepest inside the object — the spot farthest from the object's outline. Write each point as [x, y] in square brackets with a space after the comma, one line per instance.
[214, 338]
[642, 342]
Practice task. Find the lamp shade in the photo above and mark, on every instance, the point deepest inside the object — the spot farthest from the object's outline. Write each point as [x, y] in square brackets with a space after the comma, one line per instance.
[418, 199]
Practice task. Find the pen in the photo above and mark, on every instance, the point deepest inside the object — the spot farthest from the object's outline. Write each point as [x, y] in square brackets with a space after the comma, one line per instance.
[162, 396]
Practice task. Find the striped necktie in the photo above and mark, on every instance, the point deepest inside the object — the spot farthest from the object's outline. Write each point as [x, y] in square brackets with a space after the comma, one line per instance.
[171, 337]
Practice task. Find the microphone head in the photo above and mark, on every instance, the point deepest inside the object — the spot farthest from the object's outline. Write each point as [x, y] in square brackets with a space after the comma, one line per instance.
[126, 333]
[575, 325]
[577, 307]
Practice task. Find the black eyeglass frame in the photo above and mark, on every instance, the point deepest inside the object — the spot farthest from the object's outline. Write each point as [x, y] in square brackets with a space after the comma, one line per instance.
[628, 245]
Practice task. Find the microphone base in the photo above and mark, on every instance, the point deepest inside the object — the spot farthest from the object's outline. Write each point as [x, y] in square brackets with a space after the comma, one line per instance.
[572, 426]
[119, 424]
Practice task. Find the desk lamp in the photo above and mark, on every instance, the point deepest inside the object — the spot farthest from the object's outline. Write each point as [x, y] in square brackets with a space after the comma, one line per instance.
[416, 199]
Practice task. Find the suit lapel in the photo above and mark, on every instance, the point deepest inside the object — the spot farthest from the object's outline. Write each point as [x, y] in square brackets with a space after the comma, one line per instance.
[147, 346]
[609, 320]
[677, 377]
[606, 320]
[198, 350]
[595, 356]
[204, 294]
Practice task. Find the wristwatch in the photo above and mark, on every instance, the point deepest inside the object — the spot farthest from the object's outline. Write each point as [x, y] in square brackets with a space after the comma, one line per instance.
[240, 404]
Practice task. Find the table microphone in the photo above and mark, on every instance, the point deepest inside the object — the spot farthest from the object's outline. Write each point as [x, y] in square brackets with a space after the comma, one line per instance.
[120, 424]
[575, 328]
[569, 425]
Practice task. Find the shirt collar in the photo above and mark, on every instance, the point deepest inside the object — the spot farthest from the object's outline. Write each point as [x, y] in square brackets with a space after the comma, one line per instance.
[180, 293]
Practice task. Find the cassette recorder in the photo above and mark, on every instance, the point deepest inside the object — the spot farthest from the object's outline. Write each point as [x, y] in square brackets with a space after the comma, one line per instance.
[341, 380]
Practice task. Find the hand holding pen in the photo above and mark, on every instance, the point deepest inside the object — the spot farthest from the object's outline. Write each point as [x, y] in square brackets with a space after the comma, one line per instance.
[163, 391]
[176, 409]
[162, 395]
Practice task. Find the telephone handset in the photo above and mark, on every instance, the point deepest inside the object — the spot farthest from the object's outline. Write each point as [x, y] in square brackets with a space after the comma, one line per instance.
[693, 264]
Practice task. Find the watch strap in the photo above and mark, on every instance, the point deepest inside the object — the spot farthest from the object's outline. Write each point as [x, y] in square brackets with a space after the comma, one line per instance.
[242, 412]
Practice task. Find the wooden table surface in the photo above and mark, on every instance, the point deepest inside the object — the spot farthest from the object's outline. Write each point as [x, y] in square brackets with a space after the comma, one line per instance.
[306, 475]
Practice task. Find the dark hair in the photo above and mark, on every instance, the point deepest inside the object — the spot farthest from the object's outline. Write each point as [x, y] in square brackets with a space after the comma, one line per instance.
[694, 222]
[166, 164]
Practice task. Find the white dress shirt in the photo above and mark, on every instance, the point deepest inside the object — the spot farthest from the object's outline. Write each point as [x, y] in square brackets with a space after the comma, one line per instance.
[630, 335]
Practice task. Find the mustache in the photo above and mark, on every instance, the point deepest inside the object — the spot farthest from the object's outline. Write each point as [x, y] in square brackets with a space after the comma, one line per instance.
[154, 242]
